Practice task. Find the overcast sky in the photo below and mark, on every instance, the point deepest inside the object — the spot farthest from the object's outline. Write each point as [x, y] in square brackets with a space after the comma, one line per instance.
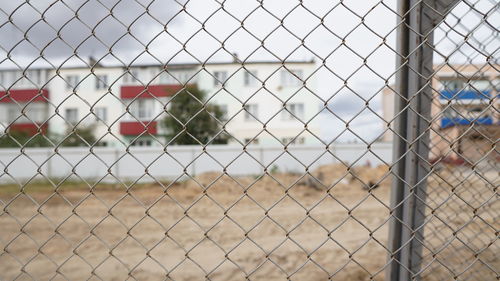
[120, 32]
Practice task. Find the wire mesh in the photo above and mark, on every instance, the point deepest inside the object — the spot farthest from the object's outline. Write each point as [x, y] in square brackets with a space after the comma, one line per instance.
[460, 231]
[244, 140]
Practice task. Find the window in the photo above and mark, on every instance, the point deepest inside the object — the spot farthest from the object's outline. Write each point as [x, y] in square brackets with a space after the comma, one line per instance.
[452, 85]
[34, 77]
[185, 77]
[480, 85]
[291, 140]
[140, 109]
[101, 113]
[293, 109]
[496, 84]
[15, 76]
[131, 77]
[12, 114]
[477, 137]
[33, 114]
[167, 78]
[220, 77]
[449, 112]
[251, 141]
[29, 78]
[477, 112]
[175, 77]
[101, 82]
[291, 77]
[7, 78]
[71, 115]
[249, 78]
[476, 109]
[251, 112]
[141, 143]
[223, 110]
[72, 81]
[36, 114]
[102, 143]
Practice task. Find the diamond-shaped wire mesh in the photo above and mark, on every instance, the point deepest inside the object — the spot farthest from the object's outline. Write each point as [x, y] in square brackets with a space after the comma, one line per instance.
[462, 208]
[249, 140]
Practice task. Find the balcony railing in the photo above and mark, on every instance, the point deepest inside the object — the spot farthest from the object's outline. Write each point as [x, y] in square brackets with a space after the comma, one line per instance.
[450, 122]
[465, 94]
[135, 128]
[28, 128]
[24, 95]
[132, 92]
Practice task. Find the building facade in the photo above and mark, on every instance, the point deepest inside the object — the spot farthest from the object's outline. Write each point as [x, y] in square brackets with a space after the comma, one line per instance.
[263, 102]
[465, 124]
[26, 108]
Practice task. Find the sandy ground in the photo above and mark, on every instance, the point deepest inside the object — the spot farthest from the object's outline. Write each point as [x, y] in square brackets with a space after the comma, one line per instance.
[214, 227]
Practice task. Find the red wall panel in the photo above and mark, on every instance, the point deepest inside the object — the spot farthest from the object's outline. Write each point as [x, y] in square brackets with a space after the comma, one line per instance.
[136, 128]
[24, 95]
[131, 92]
[29, 128]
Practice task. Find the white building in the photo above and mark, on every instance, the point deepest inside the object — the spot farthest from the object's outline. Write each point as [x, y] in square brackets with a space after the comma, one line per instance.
[26, 107]
[81, 98]
[255, 95]
[264, 102]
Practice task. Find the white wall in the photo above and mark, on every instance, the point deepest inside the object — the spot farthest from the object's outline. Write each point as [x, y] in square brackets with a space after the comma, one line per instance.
[147, 164]
[86, 96]
[270, 100]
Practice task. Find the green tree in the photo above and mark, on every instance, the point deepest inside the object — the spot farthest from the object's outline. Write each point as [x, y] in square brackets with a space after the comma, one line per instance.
[78, 137]
[72, 138]
[190, 122]
[16, 139]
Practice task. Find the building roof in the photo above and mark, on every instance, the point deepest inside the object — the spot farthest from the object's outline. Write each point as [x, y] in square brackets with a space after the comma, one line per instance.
[478, 128]
[467, 70]
[82, 65]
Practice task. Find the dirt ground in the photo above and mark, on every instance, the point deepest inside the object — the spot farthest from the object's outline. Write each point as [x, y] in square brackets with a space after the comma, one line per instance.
[212, 227]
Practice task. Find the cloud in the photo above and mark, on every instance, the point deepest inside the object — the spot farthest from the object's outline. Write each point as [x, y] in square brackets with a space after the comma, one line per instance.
[365, 126]
[60, 29]
[196, 30]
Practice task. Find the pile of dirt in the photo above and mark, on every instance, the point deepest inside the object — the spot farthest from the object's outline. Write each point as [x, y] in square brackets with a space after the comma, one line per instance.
[336, 178]
[361, 176]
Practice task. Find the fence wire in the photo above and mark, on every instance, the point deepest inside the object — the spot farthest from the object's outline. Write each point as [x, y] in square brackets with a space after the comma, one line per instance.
[459, 240]
[206, 140]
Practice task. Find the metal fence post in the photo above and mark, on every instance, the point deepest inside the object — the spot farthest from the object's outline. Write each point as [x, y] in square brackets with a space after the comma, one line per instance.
[412, 126]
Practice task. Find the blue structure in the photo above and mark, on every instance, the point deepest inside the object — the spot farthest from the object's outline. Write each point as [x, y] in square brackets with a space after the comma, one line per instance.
[465, 94]
[484, 96]
[450, 122]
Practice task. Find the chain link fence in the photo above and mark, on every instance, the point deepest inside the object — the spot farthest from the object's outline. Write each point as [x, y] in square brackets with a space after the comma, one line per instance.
[249, 140]
[459, 239]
